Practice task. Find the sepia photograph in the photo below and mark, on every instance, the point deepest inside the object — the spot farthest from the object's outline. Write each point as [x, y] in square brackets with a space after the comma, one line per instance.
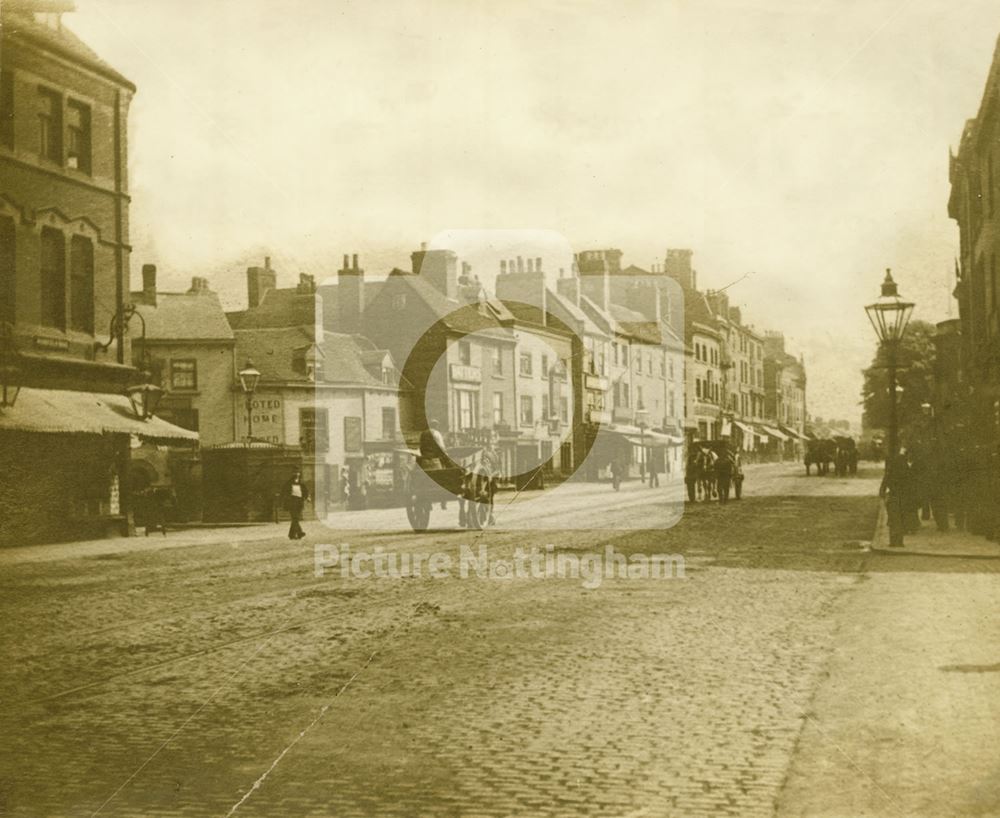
[499, 408]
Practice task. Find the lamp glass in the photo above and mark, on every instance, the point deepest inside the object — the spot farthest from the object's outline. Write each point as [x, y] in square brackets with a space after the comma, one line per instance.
[249, 378]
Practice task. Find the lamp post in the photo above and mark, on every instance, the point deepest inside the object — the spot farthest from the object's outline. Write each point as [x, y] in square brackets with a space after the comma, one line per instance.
[249, 378]
[889, 316]
[641, 421]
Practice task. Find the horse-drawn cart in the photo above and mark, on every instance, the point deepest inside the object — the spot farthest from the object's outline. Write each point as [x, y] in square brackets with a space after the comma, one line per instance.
[465, 476]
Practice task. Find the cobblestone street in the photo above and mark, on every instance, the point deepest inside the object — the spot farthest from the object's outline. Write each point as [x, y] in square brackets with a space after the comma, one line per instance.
[227, 678]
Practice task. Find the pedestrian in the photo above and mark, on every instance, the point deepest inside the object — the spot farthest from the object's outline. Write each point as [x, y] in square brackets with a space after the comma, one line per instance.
[691, 472]
[296, 494]
[893, 491]
[654, 472]
[724, 475]
[617, 471]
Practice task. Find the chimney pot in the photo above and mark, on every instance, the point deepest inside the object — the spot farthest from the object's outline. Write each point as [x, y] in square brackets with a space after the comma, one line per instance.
[538, 264]
[354, 261]
[346, 262]
[267, 262]
[149, 283]
[503, 267]
[520, 264]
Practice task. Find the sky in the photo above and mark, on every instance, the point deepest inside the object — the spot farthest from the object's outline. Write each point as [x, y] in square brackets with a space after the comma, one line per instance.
[798, 147]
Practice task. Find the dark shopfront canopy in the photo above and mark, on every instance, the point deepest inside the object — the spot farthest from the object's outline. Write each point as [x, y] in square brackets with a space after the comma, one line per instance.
[67, 412]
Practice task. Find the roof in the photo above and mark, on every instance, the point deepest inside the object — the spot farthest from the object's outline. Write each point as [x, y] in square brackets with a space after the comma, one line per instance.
[273, 351]
[587, 326]
[477, 317]
[19, 24]
[330, 293]
[184, 317]
[283, 307]
[91, 413]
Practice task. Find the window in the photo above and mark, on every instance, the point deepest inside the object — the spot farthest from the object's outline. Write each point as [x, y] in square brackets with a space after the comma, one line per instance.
[525, 369]
[497, 408]
[497, 353]
[545, 407]
[184, 374]
[185, 418]
[464, 353]
[564, 409]
[639, 404]
[53, 275]
[626, 395]
[527, 410]
[8, 280]
[602, 362]
[545, 366]
[81, 284]
[614, 354]
[78, 136]
[7, 108]
[467, 405]
[49, 125]
[388, 422]
[314, 429]
[624, 355]
[697, 387]
[649, 364]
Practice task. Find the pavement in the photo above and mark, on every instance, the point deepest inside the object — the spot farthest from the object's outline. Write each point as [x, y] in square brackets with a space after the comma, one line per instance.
[930, 542]
[791, 671]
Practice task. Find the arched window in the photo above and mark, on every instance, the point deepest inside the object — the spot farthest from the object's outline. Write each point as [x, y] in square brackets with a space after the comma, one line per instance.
[81, 265]
[53, 279]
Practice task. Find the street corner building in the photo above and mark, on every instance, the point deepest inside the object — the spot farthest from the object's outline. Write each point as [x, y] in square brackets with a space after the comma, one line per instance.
[73, 405]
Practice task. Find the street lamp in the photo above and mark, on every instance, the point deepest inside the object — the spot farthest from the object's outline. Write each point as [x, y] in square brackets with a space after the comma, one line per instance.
[249, 378]
[889, 316]
[145, 399]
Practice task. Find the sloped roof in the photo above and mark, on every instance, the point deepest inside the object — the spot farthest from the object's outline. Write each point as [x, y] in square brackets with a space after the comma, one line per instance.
[283, 307]
[19, 23]
[184, 317]
[273, 351]
[330, 293]
[486, 316]
[573, 311]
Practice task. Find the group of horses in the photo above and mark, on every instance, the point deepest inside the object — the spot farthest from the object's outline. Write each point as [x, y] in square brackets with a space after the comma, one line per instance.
[837, 453]
[701, 473]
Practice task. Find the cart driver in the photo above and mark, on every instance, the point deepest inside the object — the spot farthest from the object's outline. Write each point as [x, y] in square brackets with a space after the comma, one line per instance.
[432, 443]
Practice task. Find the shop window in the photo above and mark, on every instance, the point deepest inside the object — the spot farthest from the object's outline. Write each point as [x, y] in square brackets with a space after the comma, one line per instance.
[53, 278]
[81, 291]
[183, 374]
[314, 429]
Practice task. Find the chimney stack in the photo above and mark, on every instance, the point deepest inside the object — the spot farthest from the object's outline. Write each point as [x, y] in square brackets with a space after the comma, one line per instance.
[199, 286]
[438, 267]
[259, 281]
[350, 296]
[503, 267]
[149, 284]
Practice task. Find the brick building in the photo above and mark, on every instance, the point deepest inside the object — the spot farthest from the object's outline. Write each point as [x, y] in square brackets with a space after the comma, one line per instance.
[64, 277]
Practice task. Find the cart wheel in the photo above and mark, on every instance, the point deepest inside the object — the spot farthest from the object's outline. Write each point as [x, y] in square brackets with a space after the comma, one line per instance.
[418, 512]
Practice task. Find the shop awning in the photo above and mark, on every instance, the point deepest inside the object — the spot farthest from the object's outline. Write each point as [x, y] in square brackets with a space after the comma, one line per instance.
[60, 411]
[648, 438]
[775, 432]
[747, 430]
[788, 430]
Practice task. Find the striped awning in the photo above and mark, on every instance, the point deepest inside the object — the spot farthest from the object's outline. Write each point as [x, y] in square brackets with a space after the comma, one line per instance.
[61, 411]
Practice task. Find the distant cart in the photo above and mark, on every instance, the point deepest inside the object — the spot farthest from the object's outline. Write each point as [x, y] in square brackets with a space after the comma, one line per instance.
[459, 477]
